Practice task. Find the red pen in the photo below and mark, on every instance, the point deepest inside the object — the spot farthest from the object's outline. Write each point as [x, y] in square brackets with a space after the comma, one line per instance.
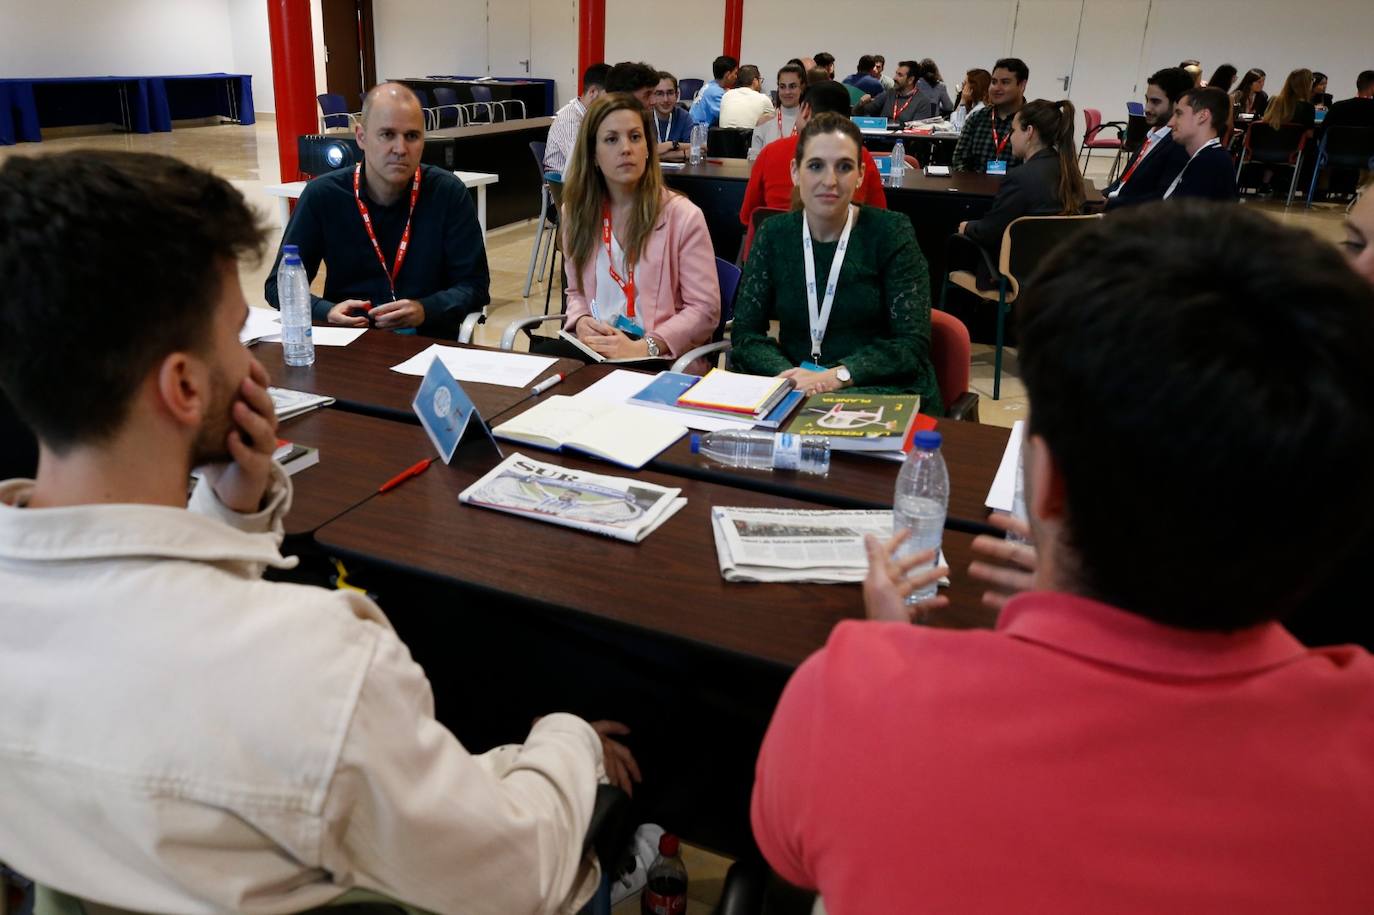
[715, 161]
[406, 474]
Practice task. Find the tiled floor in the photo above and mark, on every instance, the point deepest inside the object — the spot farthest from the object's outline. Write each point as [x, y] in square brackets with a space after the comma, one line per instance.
[247, 157]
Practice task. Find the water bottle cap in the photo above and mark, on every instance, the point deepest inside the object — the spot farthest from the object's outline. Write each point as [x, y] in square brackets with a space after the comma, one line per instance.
[667, 845]
[291, 250]
[929, 441]
[696, 443]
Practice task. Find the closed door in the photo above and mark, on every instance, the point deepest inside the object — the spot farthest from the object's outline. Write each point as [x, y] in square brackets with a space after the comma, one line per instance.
[1045, 36]
[508, 37]
[343, 60]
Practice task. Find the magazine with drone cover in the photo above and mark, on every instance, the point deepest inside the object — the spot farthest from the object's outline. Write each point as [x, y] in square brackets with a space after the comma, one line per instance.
[858, 422]
[616, 507]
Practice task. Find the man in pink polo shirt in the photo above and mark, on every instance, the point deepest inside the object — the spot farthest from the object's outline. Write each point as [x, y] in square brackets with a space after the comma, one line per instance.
[1138, 734]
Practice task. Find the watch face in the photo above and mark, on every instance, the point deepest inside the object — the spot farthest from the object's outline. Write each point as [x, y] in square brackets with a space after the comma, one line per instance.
[843, 374]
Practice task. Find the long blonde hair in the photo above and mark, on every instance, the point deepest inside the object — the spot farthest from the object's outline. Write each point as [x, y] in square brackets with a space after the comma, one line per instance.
[585, 192]
[1297, 88]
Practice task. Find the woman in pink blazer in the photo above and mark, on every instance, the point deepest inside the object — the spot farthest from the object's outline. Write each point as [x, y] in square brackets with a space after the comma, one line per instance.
[640, 267]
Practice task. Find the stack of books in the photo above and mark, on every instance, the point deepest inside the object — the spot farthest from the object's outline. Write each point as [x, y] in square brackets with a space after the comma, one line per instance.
[882, 425]
[749, 399]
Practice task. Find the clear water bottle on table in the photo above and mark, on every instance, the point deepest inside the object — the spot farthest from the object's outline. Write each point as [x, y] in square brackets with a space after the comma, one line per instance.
[921, 503]
[293, 295]
[698, 144]
[898, 163]
[764, 450]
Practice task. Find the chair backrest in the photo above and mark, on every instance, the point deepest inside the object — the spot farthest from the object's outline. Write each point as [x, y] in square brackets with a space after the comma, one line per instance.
[1030, 239]
[1349, 147]
[729, 142]
[1274, 145]
[443, 95]
[423, 96]
[481, 93]
[728, 276]
[688, 88]
[334, 109]
[756, 219]
[1092, 123]
[855, 93]
[1136, 129]
[949, 354]
[555, 182]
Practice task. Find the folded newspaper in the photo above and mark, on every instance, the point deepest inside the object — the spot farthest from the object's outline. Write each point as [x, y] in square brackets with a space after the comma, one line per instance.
[616, 507]
[290, 403]
[779, 544]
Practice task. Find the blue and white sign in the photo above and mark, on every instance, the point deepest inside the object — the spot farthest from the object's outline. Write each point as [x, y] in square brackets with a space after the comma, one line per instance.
[445, 410]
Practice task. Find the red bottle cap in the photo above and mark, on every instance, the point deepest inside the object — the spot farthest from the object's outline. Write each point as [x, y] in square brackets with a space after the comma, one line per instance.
[667, 845]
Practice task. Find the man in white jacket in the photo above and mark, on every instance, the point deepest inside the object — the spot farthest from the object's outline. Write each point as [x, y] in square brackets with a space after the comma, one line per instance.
[178, 734]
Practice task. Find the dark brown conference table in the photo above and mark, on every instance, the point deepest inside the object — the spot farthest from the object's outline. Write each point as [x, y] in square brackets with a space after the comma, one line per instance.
[359, 375]
[972, 451]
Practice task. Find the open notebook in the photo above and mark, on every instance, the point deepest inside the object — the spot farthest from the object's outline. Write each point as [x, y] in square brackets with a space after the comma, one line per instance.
[623, 435]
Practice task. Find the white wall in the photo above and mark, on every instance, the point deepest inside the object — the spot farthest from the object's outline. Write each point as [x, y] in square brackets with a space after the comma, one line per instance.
[420, 37]
[553, 45]
[680, 38]
[252, 49]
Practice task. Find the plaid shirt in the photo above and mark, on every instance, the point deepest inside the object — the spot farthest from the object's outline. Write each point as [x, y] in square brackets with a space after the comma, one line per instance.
[976, 146]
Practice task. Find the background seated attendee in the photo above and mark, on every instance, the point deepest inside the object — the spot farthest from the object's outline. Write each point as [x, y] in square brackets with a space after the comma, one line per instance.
[1292, 104]
[634, 249]
[745, 106]
[1194, 69]
[931, 85]
[770, 180]
[672, 123]
[986, 135]
[973, 96]
[864, 324]
[902, 103]
[566, 123]
[440, 276]
[1320, 98]
[863, 77]
[1153, 167]
[706, 108]
[1222, 78]
[1140, 713]
[1046, 183]
[637, 79]
[1357, 111]
[880, 70]
[1249, 97]
[783, 123]
[826, 61]
[180, 735]
[1209, 173]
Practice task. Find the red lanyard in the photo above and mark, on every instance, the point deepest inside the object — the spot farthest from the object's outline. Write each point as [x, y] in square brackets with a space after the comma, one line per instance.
[794, 123]
[372, 235]
[1130, 171]
[999, 142]
[897, 112]
[626, 285]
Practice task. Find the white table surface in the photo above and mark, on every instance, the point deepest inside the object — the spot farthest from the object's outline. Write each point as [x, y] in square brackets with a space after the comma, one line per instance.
[292, 190]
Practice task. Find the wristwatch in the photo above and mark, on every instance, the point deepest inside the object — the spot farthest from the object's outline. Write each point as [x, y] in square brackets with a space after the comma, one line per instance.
[653, 345]
[842, 373]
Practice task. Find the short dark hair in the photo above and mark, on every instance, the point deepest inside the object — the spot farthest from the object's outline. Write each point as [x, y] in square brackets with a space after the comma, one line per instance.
[879, 59]
[913, 69]
[866, 64]
[1365, 81]
[828, 122]
[1213, 101]
[827, 95]
[1173, 80]
[824, 59]
[723, 65]
[1238, 368]
[115, 259]
[1016, 65]
[628, 76]
[664, 74]
[595, 75]
[796, 70]
[747, 74]
[817, 75]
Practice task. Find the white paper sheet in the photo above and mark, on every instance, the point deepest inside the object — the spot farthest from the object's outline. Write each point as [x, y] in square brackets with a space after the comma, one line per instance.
[512, 370]
[261, 322]
[620, 385]
[326, 336]
[1002, 495]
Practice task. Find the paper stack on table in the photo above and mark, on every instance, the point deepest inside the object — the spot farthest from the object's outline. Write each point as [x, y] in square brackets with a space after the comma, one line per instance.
[622, 384]
[290, 403]
[783, 544]
[512, 370]
[264, 324]
[1002, 495]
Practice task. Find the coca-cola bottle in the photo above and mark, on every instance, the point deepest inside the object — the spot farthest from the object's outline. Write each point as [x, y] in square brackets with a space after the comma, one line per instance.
[666, 891]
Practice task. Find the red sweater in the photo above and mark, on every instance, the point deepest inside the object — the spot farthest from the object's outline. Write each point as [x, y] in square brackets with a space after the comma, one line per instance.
[770, 183]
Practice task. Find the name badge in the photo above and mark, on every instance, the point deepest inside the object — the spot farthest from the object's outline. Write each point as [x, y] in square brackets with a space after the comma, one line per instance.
[813, 367]
[629, 327]
[997, 167]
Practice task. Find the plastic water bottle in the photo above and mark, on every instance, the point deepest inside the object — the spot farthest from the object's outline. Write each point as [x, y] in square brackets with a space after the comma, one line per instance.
[921, 502]
[666, 893]
[293, 294]
[898, 163]
[698, 151]
[764, 450]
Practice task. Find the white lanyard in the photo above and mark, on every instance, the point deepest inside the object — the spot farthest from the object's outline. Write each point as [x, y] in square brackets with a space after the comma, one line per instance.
[660, 127]
[1215, 141]
[820, 314]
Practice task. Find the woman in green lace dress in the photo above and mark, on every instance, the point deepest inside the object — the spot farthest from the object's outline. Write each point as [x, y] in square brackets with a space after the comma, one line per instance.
[865, 327]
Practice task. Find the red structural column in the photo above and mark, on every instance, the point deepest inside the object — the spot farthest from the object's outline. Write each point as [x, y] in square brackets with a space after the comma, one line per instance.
[293, 78]
[591, 36]
[734, 27]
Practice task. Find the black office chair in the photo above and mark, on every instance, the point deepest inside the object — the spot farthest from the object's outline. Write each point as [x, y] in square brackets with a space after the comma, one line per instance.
[688, 89]
[729, 142]
[1342, 147]
[1280, 147]
[1136, 129]
[751, 888]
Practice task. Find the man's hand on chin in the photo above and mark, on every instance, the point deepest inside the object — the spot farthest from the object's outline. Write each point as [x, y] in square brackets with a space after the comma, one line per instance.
[251, 442]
